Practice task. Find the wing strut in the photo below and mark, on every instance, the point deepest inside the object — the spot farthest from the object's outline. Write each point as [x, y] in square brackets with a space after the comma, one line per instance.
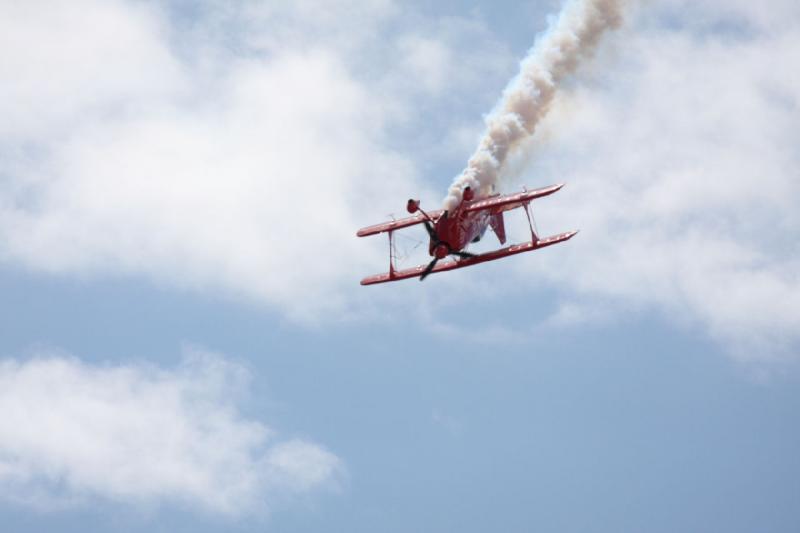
[391, 255]
[534, 237]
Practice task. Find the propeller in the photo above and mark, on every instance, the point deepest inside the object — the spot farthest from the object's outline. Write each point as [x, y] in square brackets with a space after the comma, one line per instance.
[440, 251]
[428, 269]
[436, 244]
[432, 264]
[431, 232]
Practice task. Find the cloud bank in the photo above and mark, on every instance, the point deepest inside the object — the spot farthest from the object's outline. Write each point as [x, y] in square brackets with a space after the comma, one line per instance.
[235, 147]
[234, 172]
[225, 146]
[72, 432]
[683, 173]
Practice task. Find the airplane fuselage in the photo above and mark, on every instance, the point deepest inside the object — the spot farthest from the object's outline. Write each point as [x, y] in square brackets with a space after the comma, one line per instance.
[456, 231]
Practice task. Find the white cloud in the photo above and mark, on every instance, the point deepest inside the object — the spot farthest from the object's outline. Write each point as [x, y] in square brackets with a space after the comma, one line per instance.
[61, 62]
[238, 177]
[683, 172]
[72, 432]
[236, 148]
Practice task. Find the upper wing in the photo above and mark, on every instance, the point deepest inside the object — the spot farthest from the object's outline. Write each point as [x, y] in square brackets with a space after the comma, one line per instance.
[498, 204]
[398, 224]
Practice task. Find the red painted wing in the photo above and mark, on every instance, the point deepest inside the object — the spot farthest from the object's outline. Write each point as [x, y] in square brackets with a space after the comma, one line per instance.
[443, 266]
[498, 204]
[397, 224]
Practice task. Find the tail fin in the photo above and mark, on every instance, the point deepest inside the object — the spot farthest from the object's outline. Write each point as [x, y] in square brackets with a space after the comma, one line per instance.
[498, 226]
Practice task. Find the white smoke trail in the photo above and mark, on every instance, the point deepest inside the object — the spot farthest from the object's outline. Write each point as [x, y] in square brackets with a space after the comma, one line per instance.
[526, 100]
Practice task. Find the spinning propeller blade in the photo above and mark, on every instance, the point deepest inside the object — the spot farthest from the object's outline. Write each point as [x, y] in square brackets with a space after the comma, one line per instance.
[431, 232]
[428, 269]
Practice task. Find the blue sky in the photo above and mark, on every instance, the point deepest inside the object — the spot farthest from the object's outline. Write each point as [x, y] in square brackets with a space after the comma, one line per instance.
[185, 345]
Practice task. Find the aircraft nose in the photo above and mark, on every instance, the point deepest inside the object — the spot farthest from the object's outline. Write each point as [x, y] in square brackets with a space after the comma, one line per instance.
[441, 251]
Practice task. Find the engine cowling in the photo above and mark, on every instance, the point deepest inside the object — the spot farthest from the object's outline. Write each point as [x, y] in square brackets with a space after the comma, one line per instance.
[412, 206]
[441, 251]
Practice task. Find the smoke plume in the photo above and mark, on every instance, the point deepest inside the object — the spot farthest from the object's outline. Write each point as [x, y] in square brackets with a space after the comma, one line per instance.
[556, 54]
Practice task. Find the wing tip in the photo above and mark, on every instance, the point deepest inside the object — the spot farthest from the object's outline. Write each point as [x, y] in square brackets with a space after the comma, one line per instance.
[374, 230]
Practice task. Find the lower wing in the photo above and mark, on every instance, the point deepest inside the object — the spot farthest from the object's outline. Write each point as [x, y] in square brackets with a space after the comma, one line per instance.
[443, 266]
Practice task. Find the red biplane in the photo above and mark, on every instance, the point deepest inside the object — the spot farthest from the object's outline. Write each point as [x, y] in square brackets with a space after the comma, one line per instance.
[451, 232]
